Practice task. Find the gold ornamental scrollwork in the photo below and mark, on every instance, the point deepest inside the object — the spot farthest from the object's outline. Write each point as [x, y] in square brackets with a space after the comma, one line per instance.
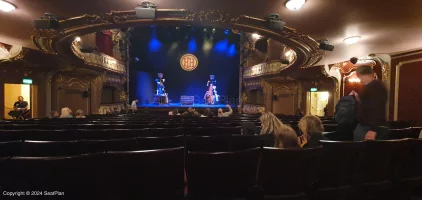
[262, 69]
[43, 39]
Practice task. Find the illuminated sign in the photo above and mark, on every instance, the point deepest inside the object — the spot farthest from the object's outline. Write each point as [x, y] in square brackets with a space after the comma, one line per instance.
[27, 81]
[189, 62]
[314, 89]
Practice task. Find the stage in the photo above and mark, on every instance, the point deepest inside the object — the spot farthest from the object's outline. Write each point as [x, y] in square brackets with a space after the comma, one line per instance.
[171, 106]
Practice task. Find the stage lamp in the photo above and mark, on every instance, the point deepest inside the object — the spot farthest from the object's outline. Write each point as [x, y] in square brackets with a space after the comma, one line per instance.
[6, 6]
[226, 31]
[213, 30]
[295, 4]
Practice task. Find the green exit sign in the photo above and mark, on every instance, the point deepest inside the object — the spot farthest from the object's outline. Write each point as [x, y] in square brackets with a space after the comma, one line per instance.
[314, 89]
[27, 81]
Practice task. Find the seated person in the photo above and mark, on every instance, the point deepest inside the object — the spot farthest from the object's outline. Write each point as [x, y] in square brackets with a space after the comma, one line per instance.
[80, 114]
[249, 128]
[189, 113]
[54, 114]
[207, 113]
[115, 111]
[269, 123]
[285, 137]
[66, 113]
[174, 112]
[311, 128]
[19, 108]
[225, 114]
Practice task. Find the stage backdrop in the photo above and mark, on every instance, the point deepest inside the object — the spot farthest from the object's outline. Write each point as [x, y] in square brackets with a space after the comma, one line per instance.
[159, 50]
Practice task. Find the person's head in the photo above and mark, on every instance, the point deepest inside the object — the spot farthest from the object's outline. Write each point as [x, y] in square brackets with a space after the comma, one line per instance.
[248, 128]
[20, 98]
[66, 111]
[239, 109]
[269, 123]
[207, 112]
[160, 75]
[175, 111]
[220, 111]
[79, 113]
[365, 73]
[190, 109]
[136, 100]
[311, 125]
[285, 137]
[54, 113]
[196, 113]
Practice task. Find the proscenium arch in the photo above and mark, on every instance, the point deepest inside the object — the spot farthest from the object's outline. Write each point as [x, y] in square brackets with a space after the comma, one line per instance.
[60, 41]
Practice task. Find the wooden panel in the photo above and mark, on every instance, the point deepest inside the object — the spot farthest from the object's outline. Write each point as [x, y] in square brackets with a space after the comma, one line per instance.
[408, 95]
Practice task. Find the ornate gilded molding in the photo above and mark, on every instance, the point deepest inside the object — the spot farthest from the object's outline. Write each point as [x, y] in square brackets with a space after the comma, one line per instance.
[100, 60]
[59, 41]
[269, 68]
[252, 85]
[253, 109]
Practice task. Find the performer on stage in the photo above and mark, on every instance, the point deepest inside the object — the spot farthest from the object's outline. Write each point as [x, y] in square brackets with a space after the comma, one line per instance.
[160, 84]
[211, 95]
[161, 95]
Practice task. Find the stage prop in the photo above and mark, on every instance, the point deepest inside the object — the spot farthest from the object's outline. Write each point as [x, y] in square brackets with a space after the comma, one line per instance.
[211, 95]
[161, 96]
[187, 100]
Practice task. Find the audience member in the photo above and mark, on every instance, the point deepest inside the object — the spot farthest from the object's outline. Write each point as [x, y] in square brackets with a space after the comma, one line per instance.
[80, 114]
[299, 112]
[373, 100]
[312, 129]
[134, 105]
[54, 114]
[225, 114]
[285, 137]
[269, 123]
[189, 112]
[248, 128]
[115, 111]
[174, 112]
[206, 113]
[66, 113]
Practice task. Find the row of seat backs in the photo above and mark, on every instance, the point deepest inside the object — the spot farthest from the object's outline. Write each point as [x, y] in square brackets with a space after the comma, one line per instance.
[282, 173]
[37, 134]
[191, 143]
[336, 171]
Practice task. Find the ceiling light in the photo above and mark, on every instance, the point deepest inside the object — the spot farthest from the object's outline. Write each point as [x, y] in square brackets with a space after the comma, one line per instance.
[295, 4]
[354, 80]
[256, 36]
[352, 40]
[6, 6]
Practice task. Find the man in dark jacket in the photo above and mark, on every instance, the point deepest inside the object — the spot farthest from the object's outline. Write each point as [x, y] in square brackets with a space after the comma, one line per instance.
[372, 112]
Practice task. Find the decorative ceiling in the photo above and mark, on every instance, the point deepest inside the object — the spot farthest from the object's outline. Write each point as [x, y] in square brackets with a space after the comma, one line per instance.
[385, 26]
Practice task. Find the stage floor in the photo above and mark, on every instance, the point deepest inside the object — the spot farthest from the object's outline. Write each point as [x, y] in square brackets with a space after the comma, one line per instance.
[178, 105]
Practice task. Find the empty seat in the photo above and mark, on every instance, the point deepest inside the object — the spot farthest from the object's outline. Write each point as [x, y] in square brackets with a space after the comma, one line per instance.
[411, 168]
[48, 148]
[161, 142]
[221, 174]
[287, 173]
[10, 148]
[401, 133]
[95, 146]
[377, 169]
[337, 169]
[208, 143]
[150, 174]
[242, 142]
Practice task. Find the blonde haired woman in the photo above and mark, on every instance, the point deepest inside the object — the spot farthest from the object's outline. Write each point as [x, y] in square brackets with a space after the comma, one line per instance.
[285, 137]
[66, 113]
[311, 128]
[269, 123]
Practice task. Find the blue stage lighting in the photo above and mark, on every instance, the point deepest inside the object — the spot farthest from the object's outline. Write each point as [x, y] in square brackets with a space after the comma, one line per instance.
[192, 46]
[232, 50]
[137, 59]
[154, 45]
[221, 46]
[226, 31]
